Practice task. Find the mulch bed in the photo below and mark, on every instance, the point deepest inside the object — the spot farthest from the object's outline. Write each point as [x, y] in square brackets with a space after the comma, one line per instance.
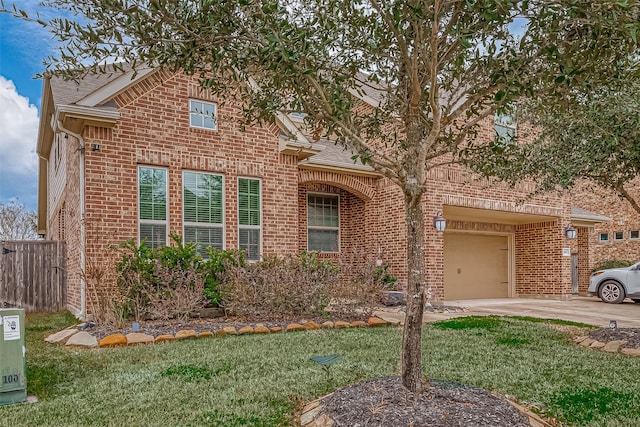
[385, 402]
[631, 335]
[171, 326]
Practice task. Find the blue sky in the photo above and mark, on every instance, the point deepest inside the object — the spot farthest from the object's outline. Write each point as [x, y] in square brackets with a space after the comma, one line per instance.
[23, 46]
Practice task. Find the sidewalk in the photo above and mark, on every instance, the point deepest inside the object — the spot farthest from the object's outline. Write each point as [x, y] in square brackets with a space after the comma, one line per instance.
[590, 310]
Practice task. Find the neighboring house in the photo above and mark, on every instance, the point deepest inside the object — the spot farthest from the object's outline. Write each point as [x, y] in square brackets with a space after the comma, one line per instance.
[125, 156]
[619, 236]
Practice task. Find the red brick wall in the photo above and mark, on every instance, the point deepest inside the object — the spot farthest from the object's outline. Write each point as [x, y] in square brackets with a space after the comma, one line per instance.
[541, 269]
[623, 218]
[584, 266]
[154, 130]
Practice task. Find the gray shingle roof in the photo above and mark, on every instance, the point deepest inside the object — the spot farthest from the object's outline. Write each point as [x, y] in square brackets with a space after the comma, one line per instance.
[69, 92]
[579, 213]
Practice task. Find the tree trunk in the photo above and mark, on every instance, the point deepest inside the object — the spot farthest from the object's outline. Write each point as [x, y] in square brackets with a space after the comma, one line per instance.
[412, 334]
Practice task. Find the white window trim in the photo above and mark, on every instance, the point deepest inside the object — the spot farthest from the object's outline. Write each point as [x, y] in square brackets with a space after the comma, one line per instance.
[502, 124]
[215, 118]
[153, 221]
[615, 237]
[204, 224]
[634, 238]
[250, 227]
[316, 193]
[600, 237]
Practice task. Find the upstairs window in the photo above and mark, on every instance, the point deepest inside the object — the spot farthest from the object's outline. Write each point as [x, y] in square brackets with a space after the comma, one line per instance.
[618, 235]
[505, 126]
[203, 115]
[634, 234]
[152, 206]
[203, 211]
[250, 218]
[323, 222]
[604, 237]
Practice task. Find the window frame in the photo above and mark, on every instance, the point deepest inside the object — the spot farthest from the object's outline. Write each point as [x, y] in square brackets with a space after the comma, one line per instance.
[338, 237]
[615, 235]
[637, 233]
[185, 223]
[605, 235]
[502, 121]
[193, 111]
[166, 207]
[247, 226]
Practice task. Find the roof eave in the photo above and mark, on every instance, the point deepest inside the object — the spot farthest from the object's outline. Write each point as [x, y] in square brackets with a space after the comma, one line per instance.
[341, 168]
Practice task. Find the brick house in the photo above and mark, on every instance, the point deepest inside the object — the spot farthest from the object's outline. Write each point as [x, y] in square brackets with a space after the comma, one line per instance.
[619, 236]
[125, 156]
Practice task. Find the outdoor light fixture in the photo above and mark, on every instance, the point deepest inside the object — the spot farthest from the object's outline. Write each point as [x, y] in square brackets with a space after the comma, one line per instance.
[570, 232]
[613, 324]
[95, 147]
[439, 222]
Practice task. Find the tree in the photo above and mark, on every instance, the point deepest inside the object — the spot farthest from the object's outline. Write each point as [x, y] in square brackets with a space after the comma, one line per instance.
[440, 66]
[17, 223]
[595, 138]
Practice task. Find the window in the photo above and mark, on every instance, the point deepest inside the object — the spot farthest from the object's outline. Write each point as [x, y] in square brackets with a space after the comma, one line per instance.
[505, 127]
[634, 234]
[323, 222]
[152, 206]
[249, 217]
[203, 115]
[618, 235]
[203, 211]
[604, 237]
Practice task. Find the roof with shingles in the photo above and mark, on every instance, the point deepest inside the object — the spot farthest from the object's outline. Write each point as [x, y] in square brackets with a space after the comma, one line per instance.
[69, 92]
[335, 155]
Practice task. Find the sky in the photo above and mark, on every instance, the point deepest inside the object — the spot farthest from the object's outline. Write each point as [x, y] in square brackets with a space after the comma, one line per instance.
[23, 46]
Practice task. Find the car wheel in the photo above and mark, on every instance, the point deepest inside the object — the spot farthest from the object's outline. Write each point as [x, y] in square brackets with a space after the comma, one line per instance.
[611, 292]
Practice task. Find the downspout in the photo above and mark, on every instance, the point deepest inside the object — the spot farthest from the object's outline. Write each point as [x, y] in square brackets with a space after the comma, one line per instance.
[83, 284]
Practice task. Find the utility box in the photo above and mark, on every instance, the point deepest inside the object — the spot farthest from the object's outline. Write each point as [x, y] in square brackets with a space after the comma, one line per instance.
[13, 372]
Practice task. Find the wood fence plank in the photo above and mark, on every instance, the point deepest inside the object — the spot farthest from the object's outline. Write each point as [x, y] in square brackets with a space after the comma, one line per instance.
[34, 276]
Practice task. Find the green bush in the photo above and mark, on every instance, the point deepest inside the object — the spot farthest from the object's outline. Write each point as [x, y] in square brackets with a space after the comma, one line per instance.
[611, 263]
[213, 269]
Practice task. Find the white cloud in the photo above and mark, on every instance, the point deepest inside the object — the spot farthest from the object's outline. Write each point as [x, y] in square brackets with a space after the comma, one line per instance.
[18, 135]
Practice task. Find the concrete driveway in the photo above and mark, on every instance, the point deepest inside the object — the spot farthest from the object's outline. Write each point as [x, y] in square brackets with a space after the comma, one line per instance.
[590, 310]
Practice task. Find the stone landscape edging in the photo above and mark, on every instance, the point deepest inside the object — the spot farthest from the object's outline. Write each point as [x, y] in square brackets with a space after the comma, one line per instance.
[610, 347]
[77, 336]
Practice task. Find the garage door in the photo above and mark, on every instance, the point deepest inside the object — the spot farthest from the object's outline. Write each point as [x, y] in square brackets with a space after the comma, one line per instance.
[475, 266]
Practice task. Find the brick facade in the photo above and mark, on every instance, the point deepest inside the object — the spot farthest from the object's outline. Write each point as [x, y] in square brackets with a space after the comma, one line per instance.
[153, 130]
[624, 220]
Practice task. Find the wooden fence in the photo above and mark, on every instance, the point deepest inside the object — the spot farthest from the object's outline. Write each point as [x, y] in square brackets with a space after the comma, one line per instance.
[33, 275]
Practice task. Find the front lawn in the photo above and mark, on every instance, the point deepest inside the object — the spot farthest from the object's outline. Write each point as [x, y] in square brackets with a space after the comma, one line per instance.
[258, 380]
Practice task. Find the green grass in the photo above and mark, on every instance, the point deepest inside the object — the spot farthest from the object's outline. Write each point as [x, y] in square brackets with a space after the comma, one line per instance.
[259, 380]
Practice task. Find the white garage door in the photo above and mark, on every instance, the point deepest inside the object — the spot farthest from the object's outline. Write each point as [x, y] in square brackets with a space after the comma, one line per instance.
[475, 266]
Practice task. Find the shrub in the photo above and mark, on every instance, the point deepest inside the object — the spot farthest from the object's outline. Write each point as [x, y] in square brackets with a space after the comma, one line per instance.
[160, 283]
[213, 269]
[362, 282]
[611, 263]
[291, 285]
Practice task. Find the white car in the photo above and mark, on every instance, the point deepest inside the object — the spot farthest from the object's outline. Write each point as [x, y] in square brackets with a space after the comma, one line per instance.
[615, 284]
